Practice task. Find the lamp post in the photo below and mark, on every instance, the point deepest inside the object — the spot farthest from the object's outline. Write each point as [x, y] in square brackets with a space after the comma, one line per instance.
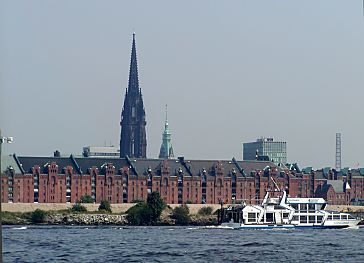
[2, 140]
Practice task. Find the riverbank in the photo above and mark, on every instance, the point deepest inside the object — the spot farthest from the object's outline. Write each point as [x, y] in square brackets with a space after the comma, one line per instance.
[64, 217]
[61, 214]
[122, 208]
[116, 208]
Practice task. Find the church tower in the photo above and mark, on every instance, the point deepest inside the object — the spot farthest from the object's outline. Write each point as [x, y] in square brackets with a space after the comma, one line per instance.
[166, 151]
[133, 139]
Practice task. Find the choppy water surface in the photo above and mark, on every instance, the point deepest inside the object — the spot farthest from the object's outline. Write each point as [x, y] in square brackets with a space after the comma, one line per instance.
[179, 244]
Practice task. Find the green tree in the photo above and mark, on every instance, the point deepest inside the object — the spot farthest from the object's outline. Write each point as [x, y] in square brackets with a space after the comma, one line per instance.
[146, 213]
[156, 205]
[38, 216]
[105, 206]
[205, 211]
[87, 199]
[78, 208]
[139, 214]
[181, 214]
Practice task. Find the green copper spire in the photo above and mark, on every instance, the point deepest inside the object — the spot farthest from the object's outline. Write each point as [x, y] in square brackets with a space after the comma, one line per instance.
[166, 151]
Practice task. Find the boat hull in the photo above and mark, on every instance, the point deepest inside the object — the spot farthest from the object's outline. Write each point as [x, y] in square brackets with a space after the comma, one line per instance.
[341, 223]
[285, 212]
[333, 225]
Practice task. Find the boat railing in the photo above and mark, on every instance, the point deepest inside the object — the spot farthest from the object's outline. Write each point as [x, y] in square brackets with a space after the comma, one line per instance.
[248, 201]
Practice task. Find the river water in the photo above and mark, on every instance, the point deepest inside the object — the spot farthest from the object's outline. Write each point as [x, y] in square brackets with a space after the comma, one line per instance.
[179, 244]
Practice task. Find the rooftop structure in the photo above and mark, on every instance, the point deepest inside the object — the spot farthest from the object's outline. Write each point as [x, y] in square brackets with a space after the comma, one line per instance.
[338, 152]
[101, 151]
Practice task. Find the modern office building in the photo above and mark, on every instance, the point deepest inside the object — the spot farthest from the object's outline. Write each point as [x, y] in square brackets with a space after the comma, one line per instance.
[101, 151]
[266, 148]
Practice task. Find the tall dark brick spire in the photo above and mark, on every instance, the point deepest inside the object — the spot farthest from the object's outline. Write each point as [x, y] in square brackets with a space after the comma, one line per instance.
[133, 85]
[133, 139]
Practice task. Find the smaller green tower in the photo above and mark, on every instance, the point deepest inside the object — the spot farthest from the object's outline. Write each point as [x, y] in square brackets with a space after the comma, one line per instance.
[166, 151]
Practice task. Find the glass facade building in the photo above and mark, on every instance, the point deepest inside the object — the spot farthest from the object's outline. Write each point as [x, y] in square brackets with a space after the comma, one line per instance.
[274, 150]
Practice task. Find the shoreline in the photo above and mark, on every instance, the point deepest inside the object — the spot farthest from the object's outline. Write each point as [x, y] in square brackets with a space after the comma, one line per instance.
[122, 208]
[97, 219]
[20, 214]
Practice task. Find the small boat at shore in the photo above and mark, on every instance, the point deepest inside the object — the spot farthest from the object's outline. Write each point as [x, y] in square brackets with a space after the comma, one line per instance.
[281, 211]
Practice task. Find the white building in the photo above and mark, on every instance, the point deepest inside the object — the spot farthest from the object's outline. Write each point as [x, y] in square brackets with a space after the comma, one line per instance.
[101, 151]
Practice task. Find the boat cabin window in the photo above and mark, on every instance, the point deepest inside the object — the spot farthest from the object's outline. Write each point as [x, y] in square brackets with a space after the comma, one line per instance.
[269, 217]
[285, 215]
[303, 219]
[336, 217]
[320, 206]
[236, 217]
[319, 219]
[311, 207]
[232, 216]
[329, 217]
[351, 217]
[228, 217]
[311, 219]
[303, 207]
[252, 217]
[344, 217]
[294, 206]
[278, 207]
[295, 218]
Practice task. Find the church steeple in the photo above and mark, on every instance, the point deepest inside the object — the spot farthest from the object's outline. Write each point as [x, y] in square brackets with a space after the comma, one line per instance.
[133, 85]
[133, 139]
[166, 151]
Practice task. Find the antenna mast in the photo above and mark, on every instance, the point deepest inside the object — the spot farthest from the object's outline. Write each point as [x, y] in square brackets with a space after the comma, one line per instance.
[338, 152]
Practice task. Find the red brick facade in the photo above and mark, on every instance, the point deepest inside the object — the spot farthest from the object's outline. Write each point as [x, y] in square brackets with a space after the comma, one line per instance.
[177, 182]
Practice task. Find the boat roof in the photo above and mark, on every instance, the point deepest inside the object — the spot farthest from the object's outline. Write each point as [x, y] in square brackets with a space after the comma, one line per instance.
[291, 200]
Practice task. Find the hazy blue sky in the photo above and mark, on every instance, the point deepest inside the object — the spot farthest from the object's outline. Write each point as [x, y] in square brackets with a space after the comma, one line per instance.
[230, 71]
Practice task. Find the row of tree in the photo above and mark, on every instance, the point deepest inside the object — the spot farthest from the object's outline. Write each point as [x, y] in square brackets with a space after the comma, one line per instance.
[39, 216]
[104, 206]
[143, 213]
[148, 213]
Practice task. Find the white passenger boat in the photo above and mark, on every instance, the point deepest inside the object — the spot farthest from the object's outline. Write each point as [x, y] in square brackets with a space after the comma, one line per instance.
[285, 212]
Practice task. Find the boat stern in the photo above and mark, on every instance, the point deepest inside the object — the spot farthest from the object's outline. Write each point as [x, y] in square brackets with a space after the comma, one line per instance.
[341, 223]
[230, 225]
